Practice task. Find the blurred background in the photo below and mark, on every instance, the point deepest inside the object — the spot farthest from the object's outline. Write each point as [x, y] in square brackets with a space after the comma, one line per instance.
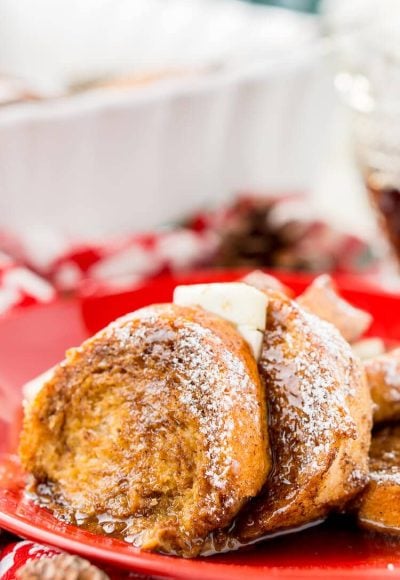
[144, 136]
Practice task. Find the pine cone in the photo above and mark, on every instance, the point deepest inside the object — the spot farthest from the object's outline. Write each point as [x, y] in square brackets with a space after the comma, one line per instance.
[62, 567]
[250, 237]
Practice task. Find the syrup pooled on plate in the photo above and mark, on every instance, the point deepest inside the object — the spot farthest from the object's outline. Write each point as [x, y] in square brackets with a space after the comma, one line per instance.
[335, 543]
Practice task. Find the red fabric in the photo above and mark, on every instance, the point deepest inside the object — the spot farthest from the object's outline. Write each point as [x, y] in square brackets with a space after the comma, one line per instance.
[20, 286]
[15, 555]
[27, 276]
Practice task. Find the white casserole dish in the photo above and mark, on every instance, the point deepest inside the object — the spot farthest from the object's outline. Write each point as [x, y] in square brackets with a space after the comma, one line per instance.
[107, 162]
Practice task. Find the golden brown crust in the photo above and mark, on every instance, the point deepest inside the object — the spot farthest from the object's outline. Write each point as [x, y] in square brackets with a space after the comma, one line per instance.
[322, 299]
[265, 282]
[379, 504]
[383, 376]
[319, 422]
[159, 420]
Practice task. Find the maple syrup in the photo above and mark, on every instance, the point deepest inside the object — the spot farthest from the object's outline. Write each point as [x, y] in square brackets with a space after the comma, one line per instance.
[385, 196]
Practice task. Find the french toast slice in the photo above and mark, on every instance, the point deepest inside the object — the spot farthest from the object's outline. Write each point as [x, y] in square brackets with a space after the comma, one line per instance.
[379, 505]
[383, 376]
[156, 426]
[319, 420]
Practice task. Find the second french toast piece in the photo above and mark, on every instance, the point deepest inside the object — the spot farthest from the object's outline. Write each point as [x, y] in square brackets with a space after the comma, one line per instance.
[319, 423]
[379, 504]
[383, 376]
[322, 298]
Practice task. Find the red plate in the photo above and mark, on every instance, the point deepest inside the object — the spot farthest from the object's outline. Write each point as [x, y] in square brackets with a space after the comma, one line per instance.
[35, 338]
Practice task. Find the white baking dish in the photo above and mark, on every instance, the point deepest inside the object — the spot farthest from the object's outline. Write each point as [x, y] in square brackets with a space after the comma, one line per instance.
[107, 162]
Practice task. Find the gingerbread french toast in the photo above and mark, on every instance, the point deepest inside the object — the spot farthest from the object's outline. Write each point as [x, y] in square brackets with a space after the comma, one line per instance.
[157, 421]
[234, 414]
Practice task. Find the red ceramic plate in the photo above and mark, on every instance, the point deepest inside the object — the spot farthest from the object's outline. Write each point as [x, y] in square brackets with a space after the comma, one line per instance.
[35, 338]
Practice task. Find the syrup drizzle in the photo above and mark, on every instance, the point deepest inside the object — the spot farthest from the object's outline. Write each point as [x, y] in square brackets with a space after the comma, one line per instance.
[335, 542]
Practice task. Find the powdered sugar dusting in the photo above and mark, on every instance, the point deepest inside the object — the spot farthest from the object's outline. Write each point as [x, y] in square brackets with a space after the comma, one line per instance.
[392, 373]
[391, 476]
[383, 374]
[388, 367]
[216, 388]
[308, 368]
[212, 382]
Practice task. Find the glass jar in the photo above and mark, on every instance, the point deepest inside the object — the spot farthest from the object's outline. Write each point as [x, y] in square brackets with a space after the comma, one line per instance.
[369, 81]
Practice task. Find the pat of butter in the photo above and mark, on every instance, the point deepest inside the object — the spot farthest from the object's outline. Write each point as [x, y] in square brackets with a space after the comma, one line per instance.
[237, 302]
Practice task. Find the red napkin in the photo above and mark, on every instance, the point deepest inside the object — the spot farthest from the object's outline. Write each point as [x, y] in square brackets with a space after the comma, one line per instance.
[253, 231]
[14, 557]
